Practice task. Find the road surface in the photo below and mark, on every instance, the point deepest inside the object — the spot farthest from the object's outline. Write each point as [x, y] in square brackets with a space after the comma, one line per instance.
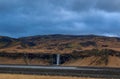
[102, 72]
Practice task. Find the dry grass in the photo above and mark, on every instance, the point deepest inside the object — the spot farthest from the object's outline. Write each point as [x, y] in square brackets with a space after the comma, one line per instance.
[7, 60]
[113, 61]
[16, 76]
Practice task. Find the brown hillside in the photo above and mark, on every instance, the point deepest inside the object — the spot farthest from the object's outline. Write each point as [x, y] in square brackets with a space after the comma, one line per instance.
[58, 43]
[113, 61]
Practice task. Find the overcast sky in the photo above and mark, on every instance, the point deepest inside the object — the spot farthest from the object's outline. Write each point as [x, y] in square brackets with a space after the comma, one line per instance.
[39, 17]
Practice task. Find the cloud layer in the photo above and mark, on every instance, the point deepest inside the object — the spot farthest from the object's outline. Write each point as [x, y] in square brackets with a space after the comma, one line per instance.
[35, 17]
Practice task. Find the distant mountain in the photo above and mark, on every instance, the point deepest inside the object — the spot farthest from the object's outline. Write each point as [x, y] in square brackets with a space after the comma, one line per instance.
[75, 50]
[58, 43]
[6, 42]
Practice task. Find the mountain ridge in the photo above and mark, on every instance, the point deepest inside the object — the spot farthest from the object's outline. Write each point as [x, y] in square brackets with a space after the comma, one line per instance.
[58, 43]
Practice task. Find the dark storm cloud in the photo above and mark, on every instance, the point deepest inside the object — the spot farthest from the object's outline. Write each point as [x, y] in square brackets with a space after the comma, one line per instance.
[33, 17]
[108, 5]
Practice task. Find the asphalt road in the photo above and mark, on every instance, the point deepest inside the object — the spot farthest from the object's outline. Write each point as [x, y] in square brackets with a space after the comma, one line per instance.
[102, 72]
